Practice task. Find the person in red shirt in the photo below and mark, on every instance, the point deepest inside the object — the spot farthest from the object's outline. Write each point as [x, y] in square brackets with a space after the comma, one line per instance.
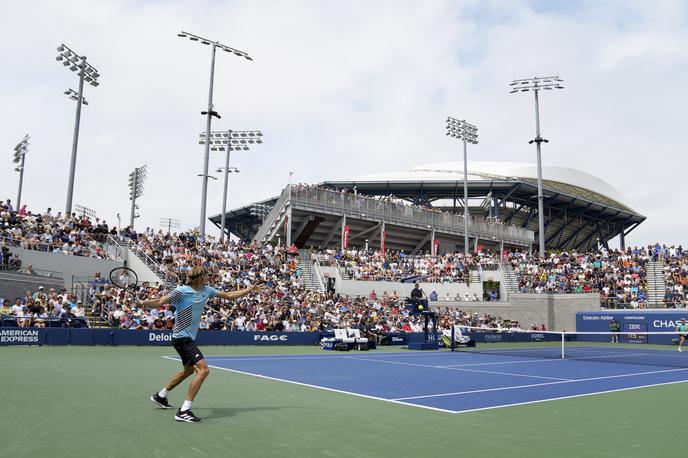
[406, 327]
[260, 325]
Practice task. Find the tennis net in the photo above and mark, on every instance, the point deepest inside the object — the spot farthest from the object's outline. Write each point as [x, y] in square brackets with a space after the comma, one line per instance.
[647, 348]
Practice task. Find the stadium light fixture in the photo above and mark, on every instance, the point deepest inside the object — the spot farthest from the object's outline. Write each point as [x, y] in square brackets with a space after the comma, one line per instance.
[535, 85]
[77, 64]
[72, 94]
[228, 141]
[209, 113]
[137, 178]
[467, 133]
[170, 223]
[19, 158]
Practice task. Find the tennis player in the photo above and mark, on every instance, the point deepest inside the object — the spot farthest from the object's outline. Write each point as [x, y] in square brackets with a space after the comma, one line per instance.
[189, 301]
[682, 329]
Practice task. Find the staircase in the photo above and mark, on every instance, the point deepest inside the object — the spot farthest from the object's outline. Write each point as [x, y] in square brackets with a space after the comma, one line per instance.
[510, 280]
[656, 288]
[310, 280]
[96, 321]
[273, 220]
[80, 288]
[157, 269]
[343, 272]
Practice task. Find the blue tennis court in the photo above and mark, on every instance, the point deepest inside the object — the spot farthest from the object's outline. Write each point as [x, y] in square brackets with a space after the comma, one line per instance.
[456, 382]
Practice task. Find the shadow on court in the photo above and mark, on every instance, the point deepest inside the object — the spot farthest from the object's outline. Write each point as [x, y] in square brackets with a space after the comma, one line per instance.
[222, 412]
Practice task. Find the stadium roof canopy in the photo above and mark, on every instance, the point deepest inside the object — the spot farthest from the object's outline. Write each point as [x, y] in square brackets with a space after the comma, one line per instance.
[580, 209]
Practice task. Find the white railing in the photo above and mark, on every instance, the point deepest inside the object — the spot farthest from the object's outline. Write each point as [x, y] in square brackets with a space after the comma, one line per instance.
[360, 207]
[49, 247]
[319, 276]
[271, 218]
[158, 270]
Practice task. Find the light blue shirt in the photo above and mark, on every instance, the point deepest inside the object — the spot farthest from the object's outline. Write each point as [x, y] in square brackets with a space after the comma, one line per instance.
[189, 305]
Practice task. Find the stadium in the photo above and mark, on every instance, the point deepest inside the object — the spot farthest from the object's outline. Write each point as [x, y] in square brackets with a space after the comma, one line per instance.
[458, 308]
[581, 210]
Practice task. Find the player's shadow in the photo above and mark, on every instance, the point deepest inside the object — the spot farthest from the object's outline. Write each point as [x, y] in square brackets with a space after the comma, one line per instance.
[222, 412]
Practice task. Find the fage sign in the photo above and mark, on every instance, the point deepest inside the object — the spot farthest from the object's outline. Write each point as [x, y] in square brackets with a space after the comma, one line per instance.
[270, 338]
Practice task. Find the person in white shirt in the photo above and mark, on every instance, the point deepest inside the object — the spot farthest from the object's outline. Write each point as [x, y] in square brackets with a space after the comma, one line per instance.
[79, 311]
[17, 308]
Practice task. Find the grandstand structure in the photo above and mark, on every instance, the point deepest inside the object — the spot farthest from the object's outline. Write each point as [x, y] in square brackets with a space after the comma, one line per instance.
[581, 211]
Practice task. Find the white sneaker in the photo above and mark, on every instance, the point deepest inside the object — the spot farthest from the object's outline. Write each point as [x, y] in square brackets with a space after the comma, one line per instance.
[679, 349]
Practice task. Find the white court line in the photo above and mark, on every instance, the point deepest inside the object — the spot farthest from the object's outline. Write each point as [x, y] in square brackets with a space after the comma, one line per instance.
[293, 356]
[393, 401]
[568, 397]
[544, 360]
[516, 387]
[397, 401]
[455, 369]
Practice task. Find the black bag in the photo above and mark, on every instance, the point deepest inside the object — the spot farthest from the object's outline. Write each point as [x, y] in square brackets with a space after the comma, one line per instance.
[341, 346]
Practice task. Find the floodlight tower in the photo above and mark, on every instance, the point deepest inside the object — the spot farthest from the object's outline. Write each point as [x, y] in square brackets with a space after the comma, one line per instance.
[170, 223]
[537, 84]
[209, 113]
[231, 140]
[467, 133]
[19, 157]
[260, 211]
[136, 180]
[86, 73]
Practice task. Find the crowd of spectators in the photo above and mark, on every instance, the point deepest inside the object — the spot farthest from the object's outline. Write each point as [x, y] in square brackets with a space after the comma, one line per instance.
[370, 265]
[675, 265]
[56, 233]
[42, 308]
[617, 275]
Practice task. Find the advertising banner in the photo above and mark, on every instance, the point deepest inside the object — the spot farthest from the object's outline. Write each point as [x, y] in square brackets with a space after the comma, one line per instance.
[633, 321]
[66, 336]
[346, 236]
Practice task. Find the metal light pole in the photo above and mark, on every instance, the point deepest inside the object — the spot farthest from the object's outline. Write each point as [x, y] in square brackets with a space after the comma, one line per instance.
[86, 73]
[467, 133]
[170, 223]
[227, 170]
[231, 140]
[136, 180]
[209, 114]
[536, 85]
[19, 158]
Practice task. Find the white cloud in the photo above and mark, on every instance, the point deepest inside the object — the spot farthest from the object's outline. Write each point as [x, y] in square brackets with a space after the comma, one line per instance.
[343, 89]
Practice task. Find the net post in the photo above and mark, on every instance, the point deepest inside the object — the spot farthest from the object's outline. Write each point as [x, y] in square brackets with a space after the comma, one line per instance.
[562, 345]
[452, 337]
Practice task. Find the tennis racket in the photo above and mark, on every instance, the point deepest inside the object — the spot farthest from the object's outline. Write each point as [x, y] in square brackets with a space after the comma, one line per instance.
[124, 277]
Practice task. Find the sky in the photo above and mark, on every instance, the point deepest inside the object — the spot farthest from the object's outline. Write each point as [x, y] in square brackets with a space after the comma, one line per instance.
[341, 89]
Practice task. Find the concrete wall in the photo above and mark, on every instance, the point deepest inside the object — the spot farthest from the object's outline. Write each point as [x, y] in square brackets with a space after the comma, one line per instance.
[77, 266]
[556, 311]
[13, 284]
[364, 288]
[142, 270]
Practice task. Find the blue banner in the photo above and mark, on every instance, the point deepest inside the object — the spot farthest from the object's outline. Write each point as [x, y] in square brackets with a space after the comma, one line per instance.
[84, 336]
[506, 336]
[632, 322]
